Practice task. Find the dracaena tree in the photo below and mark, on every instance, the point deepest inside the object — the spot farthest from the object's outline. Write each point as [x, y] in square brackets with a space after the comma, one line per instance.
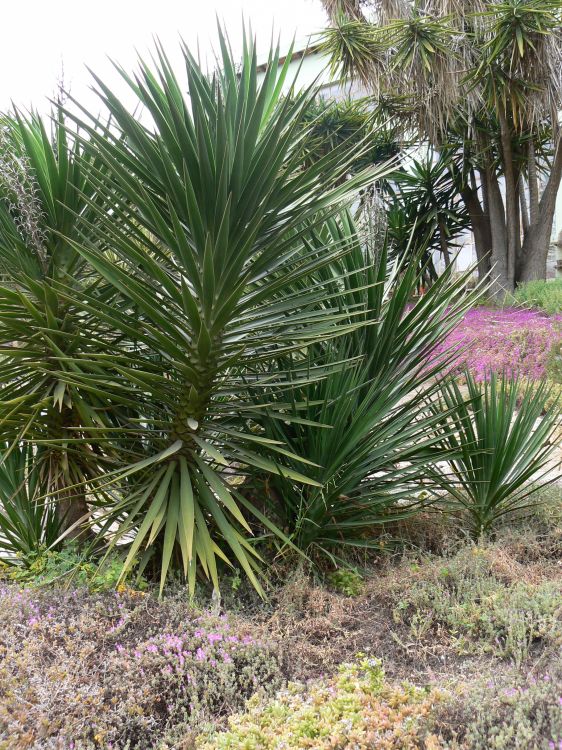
[206, 212]
[485, 76]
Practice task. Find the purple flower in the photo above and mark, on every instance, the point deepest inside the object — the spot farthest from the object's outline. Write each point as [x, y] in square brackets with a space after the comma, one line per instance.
[511, 340]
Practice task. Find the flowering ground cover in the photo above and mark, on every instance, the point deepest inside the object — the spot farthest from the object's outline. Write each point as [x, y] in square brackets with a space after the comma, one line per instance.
[469, 638]
[511, 339]
[120, 670]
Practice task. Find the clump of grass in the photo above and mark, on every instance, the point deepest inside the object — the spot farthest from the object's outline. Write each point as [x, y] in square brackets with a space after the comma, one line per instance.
[544, 295]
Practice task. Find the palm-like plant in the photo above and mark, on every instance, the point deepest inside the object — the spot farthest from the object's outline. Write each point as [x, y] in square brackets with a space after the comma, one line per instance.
[425, 206]
[44, 191]
[365, 425]
[209, 206]
[499, 441]
[27, 522]
[495, 68]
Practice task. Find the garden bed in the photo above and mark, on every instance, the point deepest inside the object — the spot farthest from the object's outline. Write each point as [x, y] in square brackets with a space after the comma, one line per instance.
[124, 671]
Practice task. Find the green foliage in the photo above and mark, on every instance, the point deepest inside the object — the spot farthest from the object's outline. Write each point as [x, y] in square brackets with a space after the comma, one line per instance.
[27, 521]
[479, 611]
[200, 352]
[351, 121]
[546, 295]
[346, 581]
[210, 211]
[349, 710]
[363, 426]
[495, 441]
[425, 210]
[46, 194]
[68, 565]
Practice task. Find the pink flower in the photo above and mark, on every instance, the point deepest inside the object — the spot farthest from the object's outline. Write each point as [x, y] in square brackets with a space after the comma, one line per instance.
[510, 340]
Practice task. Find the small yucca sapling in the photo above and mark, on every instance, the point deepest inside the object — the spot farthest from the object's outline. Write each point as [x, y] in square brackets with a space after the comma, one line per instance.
[497, 439]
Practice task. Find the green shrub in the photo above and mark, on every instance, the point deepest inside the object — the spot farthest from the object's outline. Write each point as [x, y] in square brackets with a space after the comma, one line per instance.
[479, 611]
[346, 581]
[355, 709]
[546, 295]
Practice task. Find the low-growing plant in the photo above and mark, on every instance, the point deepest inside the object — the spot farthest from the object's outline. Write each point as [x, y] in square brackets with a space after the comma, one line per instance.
[546, 295]
[513, 713]
[511, 340]
[346, 581]
[356, 708]
[480, 612]
[69, 565]
[496, 439]
[130, 672]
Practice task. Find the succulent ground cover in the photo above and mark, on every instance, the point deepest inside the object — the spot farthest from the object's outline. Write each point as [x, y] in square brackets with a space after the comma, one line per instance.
[510, 339]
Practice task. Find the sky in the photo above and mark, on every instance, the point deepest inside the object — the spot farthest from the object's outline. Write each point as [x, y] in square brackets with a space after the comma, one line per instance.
[43, 40]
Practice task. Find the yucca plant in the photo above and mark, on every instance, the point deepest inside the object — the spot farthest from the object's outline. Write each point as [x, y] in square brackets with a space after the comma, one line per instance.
[209, 206]
[28, 523]
[499, 438]
[365, 425]
[44, 191]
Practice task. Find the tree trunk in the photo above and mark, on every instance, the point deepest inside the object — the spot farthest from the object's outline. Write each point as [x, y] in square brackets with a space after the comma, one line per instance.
[480, 223]
[72, 509]
[533, 185]
[511, 199]
[501, 283]
[535, 245]
[69, 500]
[523, 204]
